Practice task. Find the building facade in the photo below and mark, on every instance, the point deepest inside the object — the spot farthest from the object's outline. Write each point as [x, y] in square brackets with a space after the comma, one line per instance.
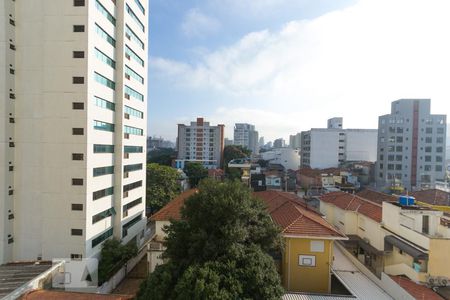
[246, 136]
[411, 145]
[200, 142]
[279, 143]
[295, 141]
[72, 126]
[328, 147]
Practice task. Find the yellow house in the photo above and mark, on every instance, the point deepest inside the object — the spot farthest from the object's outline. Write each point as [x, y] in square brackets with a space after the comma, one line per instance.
[307, 257]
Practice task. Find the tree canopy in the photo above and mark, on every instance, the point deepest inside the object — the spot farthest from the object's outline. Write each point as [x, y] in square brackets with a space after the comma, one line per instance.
[231, 152]
[162, 156]
[195, 172]
[162, 185]
[219, 249]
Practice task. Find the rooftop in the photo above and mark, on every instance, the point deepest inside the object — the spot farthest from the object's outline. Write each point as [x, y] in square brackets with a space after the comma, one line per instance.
[318, 172]
[172, 209]
[63, 295]
[433, 197]
[355, 203]
[416, 290]
[375, 196]
[14, 275]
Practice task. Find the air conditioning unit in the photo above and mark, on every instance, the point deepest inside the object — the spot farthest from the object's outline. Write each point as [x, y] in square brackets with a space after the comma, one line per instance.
[155, 246]
[127, 96]
[126, 155]
[127, 116]
[125, 175]
[127, 56]
[127, 36]
[127, 76]
[126, 136]
[125, 194]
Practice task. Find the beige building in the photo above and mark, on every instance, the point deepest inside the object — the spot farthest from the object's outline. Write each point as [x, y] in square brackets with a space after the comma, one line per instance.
[72, 126]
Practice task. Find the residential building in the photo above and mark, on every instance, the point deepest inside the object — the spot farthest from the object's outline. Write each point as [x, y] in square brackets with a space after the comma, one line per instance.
[200, 142]
[411, 145]
[279, 143]
[261, 142]
[287, 157]
[328, 147]
[228, 142]
[246, 136]
[72, 126]
[295, 141]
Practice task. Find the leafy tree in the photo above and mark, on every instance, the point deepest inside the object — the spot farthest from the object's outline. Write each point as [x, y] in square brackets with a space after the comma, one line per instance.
[113, 256]
[231, 152]
[162, 156]
[195, 172]
[162, 185]
[219, 249]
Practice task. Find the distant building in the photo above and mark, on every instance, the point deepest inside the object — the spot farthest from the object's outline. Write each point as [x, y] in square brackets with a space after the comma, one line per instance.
[295, 141]
[246, 136]
[279, 143]
[228, 142]
[156, 143]
[411, 145]
[200, 142]
[261, 141]
[328, 147]
[287, 157]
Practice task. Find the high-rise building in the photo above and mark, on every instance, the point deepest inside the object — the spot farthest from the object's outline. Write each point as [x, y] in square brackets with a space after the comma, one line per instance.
[295, 141]
[279, 143]
[328, 147]
[246, 136]
[200, 142]
[261, 142]
[411, 145]
[72, 126]
[228, 142]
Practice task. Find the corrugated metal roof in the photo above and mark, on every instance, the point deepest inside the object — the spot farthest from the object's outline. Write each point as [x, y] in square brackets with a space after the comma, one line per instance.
[355, 281]
[301, 296]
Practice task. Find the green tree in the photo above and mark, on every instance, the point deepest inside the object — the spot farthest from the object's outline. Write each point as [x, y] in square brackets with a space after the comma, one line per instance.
[219, 249]
[113, 256]
[162, 185]
[162, 156]
[231, 152]
[195, 172]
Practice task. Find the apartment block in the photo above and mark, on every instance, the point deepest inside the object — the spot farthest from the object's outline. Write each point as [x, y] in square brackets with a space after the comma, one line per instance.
[411, 145]
[323, 148]
[295, 141]
[200, 142]
[246, 136]
[72, 126]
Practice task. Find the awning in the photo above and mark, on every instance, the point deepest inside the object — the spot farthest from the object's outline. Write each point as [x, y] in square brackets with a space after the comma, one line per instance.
[391, 240]
[355, 239]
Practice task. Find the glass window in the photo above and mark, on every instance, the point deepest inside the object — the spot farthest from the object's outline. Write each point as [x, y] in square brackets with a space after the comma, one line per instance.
[104, 81]
[439, 149]
[428, 140]
[429, 130]
[105, 58]
[130, 224]
[99, 125]
[105, 12]
[132, 36]
[104, 35]
[133, 55]
[132, 204]
[440, 130]
[427, 158]
[131, 168]
[132, 186]
[135, 18]
[428, 149]
[102, 237]
[104, 214]
[438, 158]
[133, 149]
[440, 140]
[103, 171]
[104, 103]
[438, 168]
[133, 130]
[140, 6]
[134, 112]
[102, 193]
[98, 148]
[130, 72]
[134, 93]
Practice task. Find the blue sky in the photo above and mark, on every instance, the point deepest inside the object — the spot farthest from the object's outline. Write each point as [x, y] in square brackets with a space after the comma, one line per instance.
[288, 65]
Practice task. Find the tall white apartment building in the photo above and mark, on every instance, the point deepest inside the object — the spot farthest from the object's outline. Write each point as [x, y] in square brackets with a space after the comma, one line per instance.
[295, 141]
[328, 147]
[411, 145]
[246, 136]
[72, 126]
[200, 142]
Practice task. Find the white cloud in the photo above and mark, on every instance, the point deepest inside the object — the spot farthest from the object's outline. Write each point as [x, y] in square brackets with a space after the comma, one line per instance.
[197, 24]
[349, 63]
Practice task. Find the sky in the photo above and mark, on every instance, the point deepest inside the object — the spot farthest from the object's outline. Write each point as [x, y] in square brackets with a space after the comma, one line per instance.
[289, 65]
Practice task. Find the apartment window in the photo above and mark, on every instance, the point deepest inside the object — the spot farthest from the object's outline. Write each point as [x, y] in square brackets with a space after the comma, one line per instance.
[77, 156]
[399, 139]
[391, 157]
[140, 6]
[440, 140]
[438, 158]
[428, 158]
[78, 80]
[427, 168]
[77, 181]
[102, 237]
[77, 206]
[439, 149]
[98, 148]
[134, 112]
[77, 131]
[78, 3]
[399, 130]
[105, 12]
[103, 215]
[78, 54]
[390, 167]
[381, 157]
[130, 72]
[10, 239]
[11, 168]
[132, 54]
[11, 192]
[398, 158]
[399, 148]
[133, 37]
[76, 256]
[398, 167]
[438, 168]
[133, 149]
[78, 28]
[130, 205]
[131, 168]
[12, 96]
[440, 130]
[78, 105]
[381, 166]
[100, 171]
[102, 193]
[134, 93]
[99, 125]
[76, 231]
[100, 102]
[429, 130]
[130, 224]
[104, 58]
[133, 130]
[427, 149]
[428, 140]
[11, 120]
[135, 18]
[12, 22]
[104, 35]
[104, 81]
[12, 71]
[132, 186]
[12, 47]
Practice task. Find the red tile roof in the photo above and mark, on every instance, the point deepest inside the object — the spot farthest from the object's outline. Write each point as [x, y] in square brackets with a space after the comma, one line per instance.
[375, 196]
[416, 290]
[172, 209]
[291, 214]
[433, 197]
[355, 203]
[63, 295]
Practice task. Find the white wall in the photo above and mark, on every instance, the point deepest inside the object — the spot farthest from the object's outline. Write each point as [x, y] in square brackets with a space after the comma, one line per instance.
[324, 149]
[361, 144]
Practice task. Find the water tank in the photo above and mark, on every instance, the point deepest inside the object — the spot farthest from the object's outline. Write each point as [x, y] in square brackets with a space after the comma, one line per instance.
[406, 200]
